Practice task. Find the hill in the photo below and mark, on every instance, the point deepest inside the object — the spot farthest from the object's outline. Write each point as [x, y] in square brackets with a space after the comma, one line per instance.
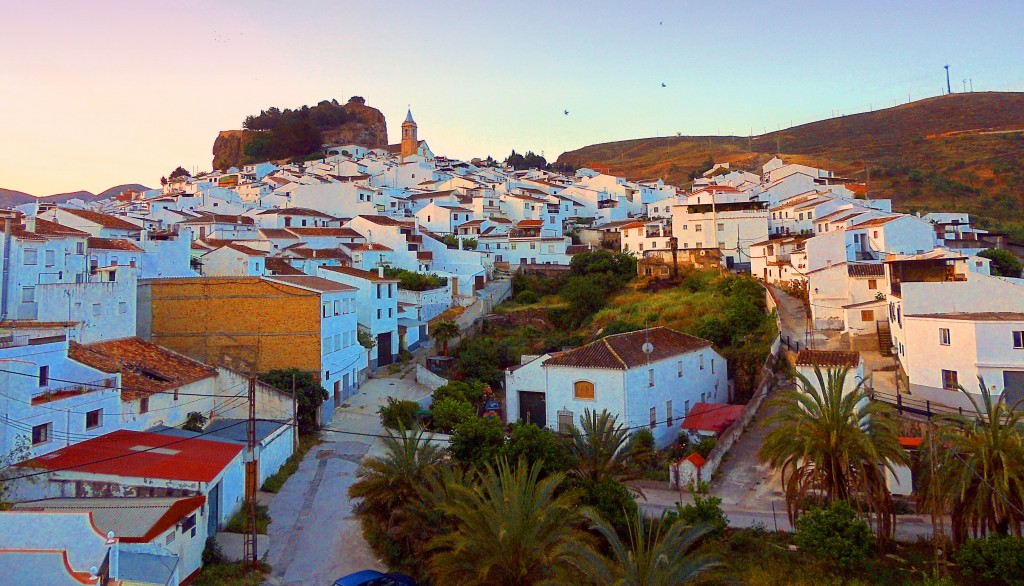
[275, 134]
[10, 198]
[959, 152]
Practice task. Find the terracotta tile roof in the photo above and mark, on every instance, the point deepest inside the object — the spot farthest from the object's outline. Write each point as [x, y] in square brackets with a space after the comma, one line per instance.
[371, 246]
[696, 459]
[112, 244]
[624, 351]
[384, 220]
[105, 220]
[713, 417]
[45, 228]
[973, 316]
[279, 266]
[321, 231]
[827, 358]
[312, 283]
[277, 233]
[865, 269]
[208, 218]
[145, 367]
[296, 212]
[197, 245]
[302, 251]
[143, 455]
[875, 222]
[530, 223]
[368, 275]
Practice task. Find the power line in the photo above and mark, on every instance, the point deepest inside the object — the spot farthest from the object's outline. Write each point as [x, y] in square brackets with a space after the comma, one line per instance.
[102, 386]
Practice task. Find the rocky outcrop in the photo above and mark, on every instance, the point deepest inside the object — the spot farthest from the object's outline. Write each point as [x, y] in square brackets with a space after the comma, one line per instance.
[365, 126]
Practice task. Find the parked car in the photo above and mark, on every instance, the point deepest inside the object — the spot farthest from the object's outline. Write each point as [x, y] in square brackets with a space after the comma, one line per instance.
[374, 578]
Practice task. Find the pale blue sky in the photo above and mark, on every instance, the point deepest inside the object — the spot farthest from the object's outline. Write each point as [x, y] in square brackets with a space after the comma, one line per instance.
[95, 93]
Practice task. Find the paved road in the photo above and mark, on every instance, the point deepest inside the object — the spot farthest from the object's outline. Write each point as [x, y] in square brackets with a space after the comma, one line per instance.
[314, 537]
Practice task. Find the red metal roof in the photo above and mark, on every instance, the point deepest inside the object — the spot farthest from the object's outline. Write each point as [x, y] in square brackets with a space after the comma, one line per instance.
[143, 455]
[713, 417]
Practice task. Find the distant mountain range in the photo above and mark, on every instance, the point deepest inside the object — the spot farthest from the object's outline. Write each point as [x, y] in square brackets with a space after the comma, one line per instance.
[10, 198]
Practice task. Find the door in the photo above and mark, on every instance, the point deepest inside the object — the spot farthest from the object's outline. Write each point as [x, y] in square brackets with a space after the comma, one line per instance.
[346, 389]
[729, 262]
[532, 408]
[384, 349]
[479, 284]
[337, 393]
[1013, 386]
[213, 499]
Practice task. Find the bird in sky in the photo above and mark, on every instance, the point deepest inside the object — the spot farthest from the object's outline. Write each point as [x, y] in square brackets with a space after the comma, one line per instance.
[663, 84]
[566, 112]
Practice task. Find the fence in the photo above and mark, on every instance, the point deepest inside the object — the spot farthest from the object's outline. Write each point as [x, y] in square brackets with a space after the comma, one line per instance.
[914, 406]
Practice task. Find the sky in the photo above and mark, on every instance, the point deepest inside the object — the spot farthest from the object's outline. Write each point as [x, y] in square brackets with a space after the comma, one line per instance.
[100, 93]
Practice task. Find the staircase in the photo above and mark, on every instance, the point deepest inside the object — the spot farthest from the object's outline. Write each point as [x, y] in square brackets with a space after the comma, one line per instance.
[884, 338]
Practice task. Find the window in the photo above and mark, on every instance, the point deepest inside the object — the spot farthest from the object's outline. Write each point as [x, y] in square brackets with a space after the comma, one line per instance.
[582, 389]
[380, 313]
[712, 366]
[113, 261]
[654, 417]
[189, 525]
[380, 291]
[44, 375]
[565, 421]
[144, 405]
[28, 294]
[668, 413]
[30, 256]
[51, 258]
[944, 336]
[872, 284]
[41, 433]
[686, 408]
[679, 368]
[80, 248]
[721, 226]
[94, 419]
[949, 380]
[327, 309]
[97, 309]
[1018, 340]
[701, 359]
[337, 308]
[867, 315]
[698, 228]
[122, 307]
[533, 246]
[650, 377]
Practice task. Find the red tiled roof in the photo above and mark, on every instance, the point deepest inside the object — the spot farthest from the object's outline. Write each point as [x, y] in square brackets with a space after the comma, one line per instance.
[296, 212]
[45, 228]
[145, 367]
[713, 417]
[530, 223]
[244, 249]
[277, 233]
[368, 275]
[827, 358]
[313, 283]
[105, 220]
[208, 218]
[696, 459]
[143, 455]
[865, 270]
[371, 246]
[384, 220]
[280, 266]
[320, 231]
[302, 251]
[624, 351]
[112, 244]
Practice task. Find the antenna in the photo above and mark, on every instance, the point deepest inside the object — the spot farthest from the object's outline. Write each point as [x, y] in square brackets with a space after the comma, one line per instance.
[949, 89]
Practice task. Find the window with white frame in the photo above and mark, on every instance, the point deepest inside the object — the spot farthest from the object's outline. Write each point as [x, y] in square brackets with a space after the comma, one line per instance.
[944, 336]
[950, 380]
[1018, 340]
[50, 257]
[41, 433]
[668, 413]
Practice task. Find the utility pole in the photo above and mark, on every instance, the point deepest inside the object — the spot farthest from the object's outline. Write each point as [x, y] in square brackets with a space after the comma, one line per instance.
[949, 88]
[295, 416]
[251, 478]
[971, 82]
[867, 184]
[965, 86]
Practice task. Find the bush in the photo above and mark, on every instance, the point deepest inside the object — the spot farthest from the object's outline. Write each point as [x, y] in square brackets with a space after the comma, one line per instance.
[1004, 264]
[527, 297]
[470, 391]
[642, 450]
[996, 559]
[396, 414]
[610, 498]
[212, 553]
[450, 412]
[835, 534]
[528, 441]
[705, 445]
[239, 522]
[477, 441]
[705, 510]
[196, 422]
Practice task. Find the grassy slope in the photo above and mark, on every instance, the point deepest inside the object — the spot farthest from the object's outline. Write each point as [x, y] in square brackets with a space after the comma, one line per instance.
[941, 138]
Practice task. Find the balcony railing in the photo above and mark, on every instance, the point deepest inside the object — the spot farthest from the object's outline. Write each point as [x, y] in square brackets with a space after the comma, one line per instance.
[52, 393]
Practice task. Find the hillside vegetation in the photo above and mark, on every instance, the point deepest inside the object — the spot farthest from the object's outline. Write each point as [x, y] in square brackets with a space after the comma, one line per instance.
[960, 152]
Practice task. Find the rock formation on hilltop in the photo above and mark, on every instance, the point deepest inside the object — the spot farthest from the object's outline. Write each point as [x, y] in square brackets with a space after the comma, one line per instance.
[294, 133]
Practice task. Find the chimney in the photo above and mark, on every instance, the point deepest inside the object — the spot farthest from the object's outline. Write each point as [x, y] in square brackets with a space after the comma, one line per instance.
[380, 272]
[30, 223]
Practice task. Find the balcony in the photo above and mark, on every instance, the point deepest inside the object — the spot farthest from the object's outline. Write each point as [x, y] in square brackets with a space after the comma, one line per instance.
[57, 393]
[606, 203]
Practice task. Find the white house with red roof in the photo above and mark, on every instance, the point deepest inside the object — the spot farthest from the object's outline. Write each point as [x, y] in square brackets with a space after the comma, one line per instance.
[649, 379]
[376, 309]
[721, 217]
[97, 224]
[443, 218]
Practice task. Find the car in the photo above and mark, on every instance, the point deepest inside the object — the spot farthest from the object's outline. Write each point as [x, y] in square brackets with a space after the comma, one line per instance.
[374, 578]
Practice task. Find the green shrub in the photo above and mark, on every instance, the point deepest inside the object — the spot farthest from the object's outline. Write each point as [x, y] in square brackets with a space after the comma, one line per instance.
[470, 391]
[534, 444]
[527, 297]
[705, 510]
[239, 522]
[642, 450]
[449, 412]
[396, 414]
[997, 559]
[705, 445]
[477, 440]
[835, 534]
[212, 553]
[610, 498]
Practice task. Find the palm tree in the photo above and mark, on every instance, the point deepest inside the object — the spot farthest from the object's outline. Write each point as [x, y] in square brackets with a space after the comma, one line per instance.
[979, 468]
[510, 528]
[387, 482]
[654, 555]
[598, 446]
[443, 332]
[834, 446]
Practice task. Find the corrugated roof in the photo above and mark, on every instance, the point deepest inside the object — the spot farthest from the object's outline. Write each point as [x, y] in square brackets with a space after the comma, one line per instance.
[713, 417]
[142, 455]
[624, 351]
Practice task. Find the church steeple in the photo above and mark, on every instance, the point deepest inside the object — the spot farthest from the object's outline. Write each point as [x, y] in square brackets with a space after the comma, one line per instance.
[410, 144]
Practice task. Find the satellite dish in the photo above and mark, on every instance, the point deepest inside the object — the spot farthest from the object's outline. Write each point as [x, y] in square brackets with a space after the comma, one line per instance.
[647, 347]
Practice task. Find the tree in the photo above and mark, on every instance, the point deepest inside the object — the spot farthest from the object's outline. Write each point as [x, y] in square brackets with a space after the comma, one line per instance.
[834, 446]
[449, 412]
[836, 534]
[654, 554]
[309, 394]
[196, 421]
[1004, 263]
[598, 447]
[443, 332]
[477, 441]
[180, 172]
[21, 451]
[533, 444]
[979, 470]
[510, 528]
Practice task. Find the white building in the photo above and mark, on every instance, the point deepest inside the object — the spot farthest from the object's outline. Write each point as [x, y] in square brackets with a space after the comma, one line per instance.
[653, 390]
[376, 302]
[722, 218]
